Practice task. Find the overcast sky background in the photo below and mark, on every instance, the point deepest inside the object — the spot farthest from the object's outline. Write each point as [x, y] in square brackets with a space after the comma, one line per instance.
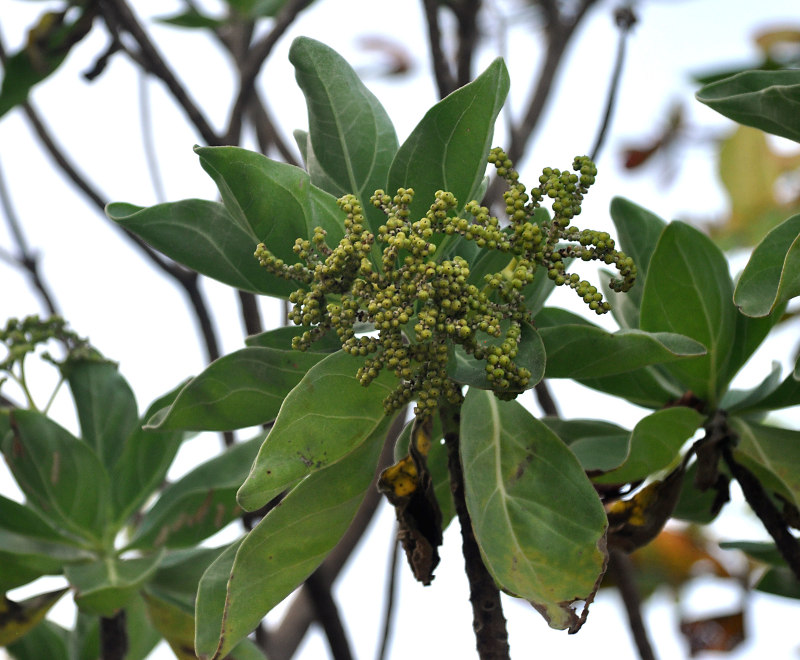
[134, 316]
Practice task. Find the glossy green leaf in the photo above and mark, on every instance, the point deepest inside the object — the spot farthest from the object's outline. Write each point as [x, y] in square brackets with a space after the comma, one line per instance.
[655, 443]
[324, 418]
[179, 573]
[466, 370]
[47, 640]
[688, 291]
[570, 431]
[30, 547]
[283, 549]
[772, 275]
[47, 46]
[774, 449]
[448, 148]
[352, 138]
[749, 335]
[537, 519]
[104, 586]
[105, 405]
[57, 472]
[244, 388]
[281, 339]
[191, 18]
[743, 399]
[769, 100]
[582, 351]
[693, 505]
[637, 234]
[146, 458]
[601, 453]
[273, 202]
[785, 395]
[200, 503]
[648, 387]
[18, 618]
[204, 237]
[318, 175]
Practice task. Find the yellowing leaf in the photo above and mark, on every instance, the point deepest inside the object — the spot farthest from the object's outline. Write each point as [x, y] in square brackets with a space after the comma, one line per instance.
[16, 619]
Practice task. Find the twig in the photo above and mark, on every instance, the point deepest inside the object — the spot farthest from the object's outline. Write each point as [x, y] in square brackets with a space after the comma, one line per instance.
[767, 512]
[545, 399]
[391, 586]
[148, 142]
[266, 133]
[445, 81]
[25, 259]
[467, 14]
[626, 582]
[488, 621]
[251, 66]
[118, 11]
[251, 315]
[113, 637]
[625, 20]
[327, 613]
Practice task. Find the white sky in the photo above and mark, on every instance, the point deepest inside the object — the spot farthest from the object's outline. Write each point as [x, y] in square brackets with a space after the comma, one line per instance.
[134, 316]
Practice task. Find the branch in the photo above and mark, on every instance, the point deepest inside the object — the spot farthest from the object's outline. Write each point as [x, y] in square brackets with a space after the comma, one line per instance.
[251, 66]
[467, 13]
[113, 637]
[327, 613]
[391, 587]
[441, 69]
[488, 621]
[767, 512]
[625, 20]
[25, 259]
[118, 14]
[545, 399]
[623, 570]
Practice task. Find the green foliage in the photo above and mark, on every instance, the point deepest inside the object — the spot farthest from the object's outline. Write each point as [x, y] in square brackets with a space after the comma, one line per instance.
[410, 295]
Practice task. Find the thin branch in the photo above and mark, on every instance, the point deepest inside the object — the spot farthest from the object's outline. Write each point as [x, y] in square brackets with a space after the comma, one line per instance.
[467, 15]
[256, 56]
[251, 315]
[327, 613]
[113, 637]
[488, 621]
[26, 259]
[625, 20]
[445, 81]
[391, 588]
[148, 141]
[118, 12]
[623, 570]
[767, 512]
[545, 399]
[266, 132]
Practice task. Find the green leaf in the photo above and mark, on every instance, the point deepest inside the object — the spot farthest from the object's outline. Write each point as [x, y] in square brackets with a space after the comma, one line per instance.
[772, 275]
[637, 231]
[785, 395]
[30, 547]
[204, 237]
[448, 148]
[693, 505]
[688, 291]
[244, 388]
[352, 138]
[18, 618]
[105, 586]
[191, 18]
[274, 202]
[324, 418]
[179, 573]
[581, 351]
[537, 519]
[173, 622]
[281, 339]
[769, 100]
[146, 458]
[654, 444]
[283, 549]
[200, 503]
[466, 370]
[571, 431]
[743, 399]
[749, 335]
[773, 449]
[318, 175]
[105, 404]
[47, 640]
[57, 472]
[47, 46]
[764, 551]
[648, 387]
[780, 581]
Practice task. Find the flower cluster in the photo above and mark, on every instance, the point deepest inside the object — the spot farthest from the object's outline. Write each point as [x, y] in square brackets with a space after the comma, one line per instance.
[421, 300]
